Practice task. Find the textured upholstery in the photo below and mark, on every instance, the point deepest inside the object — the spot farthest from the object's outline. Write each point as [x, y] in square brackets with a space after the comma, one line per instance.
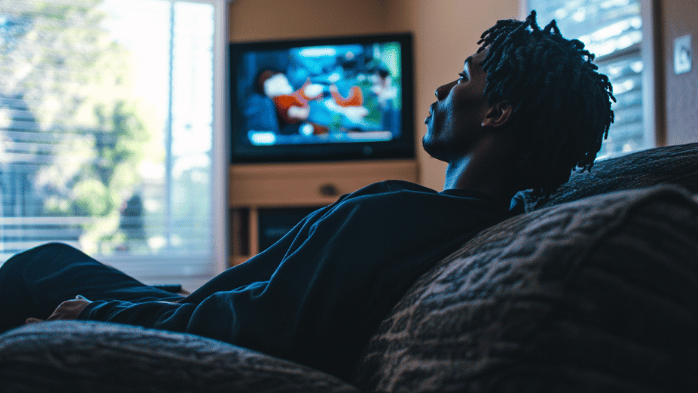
[677, 165]
[599, 295]
[89, 357]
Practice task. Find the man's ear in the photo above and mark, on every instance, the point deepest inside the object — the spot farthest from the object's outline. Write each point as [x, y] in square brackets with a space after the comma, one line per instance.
[498, 115]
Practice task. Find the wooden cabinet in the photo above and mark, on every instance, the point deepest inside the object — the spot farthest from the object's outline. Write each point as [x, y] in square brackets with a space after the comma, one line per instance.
[253, 188]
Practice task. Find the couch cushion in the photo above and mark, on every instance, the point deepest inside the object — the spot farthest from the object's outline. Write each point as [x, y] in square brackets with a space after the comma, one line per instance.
[677, 165]
[598, 295]
[100, 357]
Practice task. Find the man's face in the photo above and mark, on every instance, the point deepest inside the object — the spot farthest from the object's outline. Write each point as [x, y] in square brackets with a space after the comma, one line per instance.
[455, 119]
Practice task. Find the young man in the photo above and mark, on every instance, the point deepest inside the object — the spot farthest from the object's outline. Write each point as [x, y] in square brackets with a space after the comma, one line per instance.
[527, 109]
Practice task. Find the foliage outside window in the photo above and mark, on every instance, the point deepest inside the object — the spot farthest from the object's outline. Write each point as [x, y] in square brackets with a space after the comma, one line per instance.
[106, 126]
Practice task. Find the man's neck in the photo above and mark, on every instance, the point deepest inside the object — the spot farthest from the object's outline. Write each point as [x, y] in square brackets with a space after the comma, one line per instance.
[489, 171]
[494, 189]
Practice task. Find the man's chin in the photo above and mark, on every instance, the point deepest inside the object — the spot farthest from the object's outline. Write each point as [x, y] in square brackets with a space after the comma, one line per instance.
[425, 144]
[430, 148]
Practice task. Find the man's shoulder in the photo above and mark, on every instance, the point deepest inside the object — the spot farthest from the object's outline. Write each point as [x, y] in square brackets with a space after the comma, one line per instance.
[384, 193]
[391, 186]
[392, 194]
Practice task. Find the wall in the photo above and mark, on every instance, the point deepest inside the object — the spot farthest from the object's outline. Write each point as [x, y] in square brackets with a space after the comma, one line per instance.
[252, 20]
[678, 18]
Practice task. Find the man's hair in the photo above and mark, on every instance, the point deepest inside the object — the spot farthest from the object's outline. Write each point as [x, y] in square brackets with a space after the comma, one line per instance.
[561, 104]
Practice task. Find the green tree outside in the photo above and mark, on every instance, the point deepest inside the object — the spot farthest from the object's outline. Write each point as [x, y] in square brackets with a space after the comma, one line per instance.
[79, 83]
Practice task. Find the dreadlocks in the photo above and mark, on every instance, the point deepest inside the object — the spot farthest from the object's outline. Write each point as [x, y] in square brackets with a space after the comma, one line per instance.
[561, 104]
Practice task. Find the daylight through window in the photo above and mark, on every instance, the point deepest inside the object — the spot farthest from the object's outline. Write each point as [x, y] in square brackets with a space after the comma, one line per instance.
[107, 122]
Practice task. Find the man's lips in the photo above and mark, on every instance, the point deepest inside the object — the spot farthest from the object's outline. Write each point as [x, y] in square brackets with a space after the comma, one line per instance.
[431, 112]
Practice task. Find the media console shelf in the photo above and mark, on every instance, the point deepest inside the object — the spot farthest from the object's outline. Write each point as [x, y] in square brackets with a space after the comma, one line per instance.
[296, 187]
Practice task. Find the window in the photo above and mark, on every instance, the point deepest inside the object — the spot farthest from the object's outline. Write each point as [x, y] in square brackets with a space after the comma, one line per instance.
[111, 132]
[619, 33]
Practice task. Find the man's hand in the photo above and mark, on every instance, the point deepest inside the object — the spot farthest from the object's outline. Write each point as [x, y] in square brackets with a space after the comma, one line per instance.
[69, 309]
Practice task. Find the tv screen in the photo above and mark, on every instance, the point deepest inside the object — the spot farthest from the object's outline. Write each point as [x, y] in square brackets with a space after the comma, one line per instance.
[343, 98]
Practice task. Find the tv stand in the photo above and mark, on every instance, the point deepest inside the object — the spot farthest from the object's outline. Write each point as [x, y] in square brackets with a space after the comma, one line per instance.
[256, 187]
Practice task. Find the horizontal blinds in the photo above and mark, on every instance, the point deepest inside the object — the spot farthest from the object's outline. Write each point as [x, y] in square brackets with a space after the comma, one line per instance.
[106, 127]
[612, 30]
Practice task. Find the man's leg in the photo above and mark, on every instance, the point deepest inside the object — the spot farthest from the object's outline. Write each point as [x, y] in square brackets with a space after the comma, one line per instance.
[35, 282]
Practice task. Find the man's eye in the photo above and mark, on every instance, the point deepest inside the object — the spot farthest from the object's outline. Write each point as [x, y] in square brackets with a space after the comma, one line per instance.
[463, 76]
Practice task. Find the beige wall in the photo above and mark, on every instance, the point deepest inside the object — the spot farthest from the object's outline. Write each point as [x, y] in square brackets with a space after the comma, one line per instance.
[252, 20]
[445, 33]
[678, 18]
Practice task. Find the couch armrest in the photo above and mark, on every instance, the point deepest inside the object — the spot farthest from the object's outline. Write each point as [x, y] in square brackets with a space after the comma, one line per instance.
[91, 357]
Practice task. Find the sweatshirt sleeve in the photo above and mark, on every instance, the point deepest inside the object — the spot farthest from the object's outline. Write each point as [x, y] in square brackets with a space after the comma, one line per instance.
[279, 316]
[215, 317]
[155, 314]
[238, 306]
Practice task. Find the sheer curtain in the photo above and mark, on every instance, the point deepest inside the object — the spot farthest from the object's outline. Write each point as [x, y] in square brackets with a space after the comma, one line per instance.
[112, 132]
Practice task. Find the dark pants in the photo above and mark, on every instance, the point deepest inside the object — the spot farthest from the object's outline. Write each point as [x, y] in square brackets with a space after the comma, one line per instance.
[35, 282]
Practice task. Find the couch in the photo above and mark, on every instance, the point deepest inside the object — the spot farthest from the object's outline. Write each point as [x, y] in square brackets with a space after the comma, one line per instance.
[594, 290]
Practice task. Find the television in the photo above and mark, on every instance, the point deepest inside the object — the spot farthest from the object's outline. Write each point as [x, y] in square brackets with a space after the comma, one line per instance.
[322, 99]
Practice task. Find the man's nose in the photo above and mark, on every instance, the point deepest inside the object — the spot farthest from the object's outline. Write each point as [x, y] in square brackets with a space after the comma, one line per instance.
[442, 91]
